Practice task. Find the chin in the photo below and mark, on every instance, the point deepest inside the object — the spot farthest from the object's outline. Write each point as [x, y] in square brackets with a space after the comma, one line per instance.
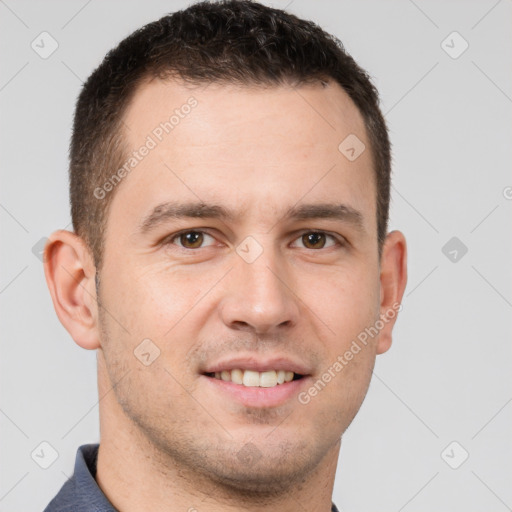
[263, 478]
[263, 469]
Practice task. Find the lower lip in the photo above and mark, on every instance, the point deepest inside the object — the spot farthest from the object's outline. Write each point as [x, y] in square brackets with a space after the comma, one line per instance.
[253, 396]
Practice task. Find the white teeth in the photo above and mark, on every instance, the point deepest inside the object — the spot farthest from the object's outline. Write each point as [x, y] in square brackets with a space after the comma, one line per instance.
[268, 379]
[251, 378]
[237, 376]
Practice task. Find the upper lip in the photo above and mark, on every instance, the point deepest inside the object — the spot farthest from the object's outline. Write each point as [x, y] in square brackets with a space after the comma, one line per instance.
[258, 364]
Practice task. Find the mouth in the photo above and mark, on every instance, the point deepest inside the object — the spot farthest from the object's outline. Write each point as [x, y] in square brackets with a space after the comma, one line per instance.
[252, 378]
[256, 381]
[256, 389]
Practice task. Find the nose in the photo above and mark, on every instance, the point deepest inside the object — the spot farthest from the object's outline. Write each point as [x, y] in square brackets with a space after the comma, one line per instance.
[259, 297]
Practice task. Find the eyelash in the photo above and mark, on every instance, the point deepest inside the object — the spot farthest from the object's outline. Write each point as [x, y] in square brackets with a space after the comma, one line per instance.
[169, 240]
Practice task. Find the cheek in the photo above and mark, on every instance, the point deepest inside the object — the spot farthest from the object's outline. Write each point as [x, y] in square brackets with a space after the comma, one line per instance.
[148, 304]
[346, 300]
[347, 304]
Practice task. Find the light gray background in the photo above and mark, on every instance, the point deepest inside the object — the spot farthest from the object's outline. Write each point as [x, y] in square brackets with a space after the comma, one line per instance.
[448, 375]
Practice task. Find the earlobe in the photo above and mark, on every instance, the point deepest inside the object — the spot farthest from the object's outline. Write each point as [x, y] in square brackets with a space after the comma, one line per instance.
[393, 279]
[70, 276]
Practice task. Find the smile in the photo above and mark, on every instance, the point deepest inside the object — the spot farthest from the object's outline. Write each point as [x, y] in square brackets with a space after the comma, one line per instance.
[251, 378]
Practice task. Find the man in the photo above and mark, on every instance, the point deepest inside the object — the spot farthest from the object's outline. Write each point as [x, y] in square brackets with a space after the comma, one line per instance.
[230, 262]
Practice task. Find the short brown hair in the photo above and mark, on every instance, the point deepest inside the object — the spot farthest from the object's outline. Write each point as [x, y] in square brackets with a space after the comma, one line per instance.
[227, 41]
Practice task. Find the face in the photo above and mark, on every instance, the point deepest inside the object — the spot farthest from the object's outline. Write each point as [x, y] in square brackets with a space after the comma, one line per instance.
[277, 272]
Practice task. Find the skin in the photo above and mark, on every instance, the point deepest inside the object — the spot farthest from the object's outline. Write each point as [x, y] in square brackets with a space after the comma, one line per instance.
[167, 439]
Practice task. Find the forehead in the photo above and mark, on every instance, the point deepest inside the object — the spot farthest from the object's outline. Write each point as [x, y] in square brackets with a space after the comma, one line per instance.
[319, 114]
[241, 145]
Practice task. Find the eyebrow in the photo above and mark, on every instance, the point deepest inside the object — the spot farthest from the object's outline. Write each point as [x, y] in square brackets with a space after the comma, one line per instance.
[199, 210]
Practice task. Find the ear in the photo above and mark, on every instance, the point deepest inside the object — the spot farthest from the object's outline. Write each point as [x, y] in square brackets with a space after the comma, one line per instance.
[70, 275]
[393, 278]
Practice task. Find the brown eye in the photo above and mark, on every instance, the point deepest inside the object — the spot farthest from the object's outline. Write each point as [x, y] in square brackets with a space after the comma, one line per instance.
[191, 239]
[317, 240]
[314, 240]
